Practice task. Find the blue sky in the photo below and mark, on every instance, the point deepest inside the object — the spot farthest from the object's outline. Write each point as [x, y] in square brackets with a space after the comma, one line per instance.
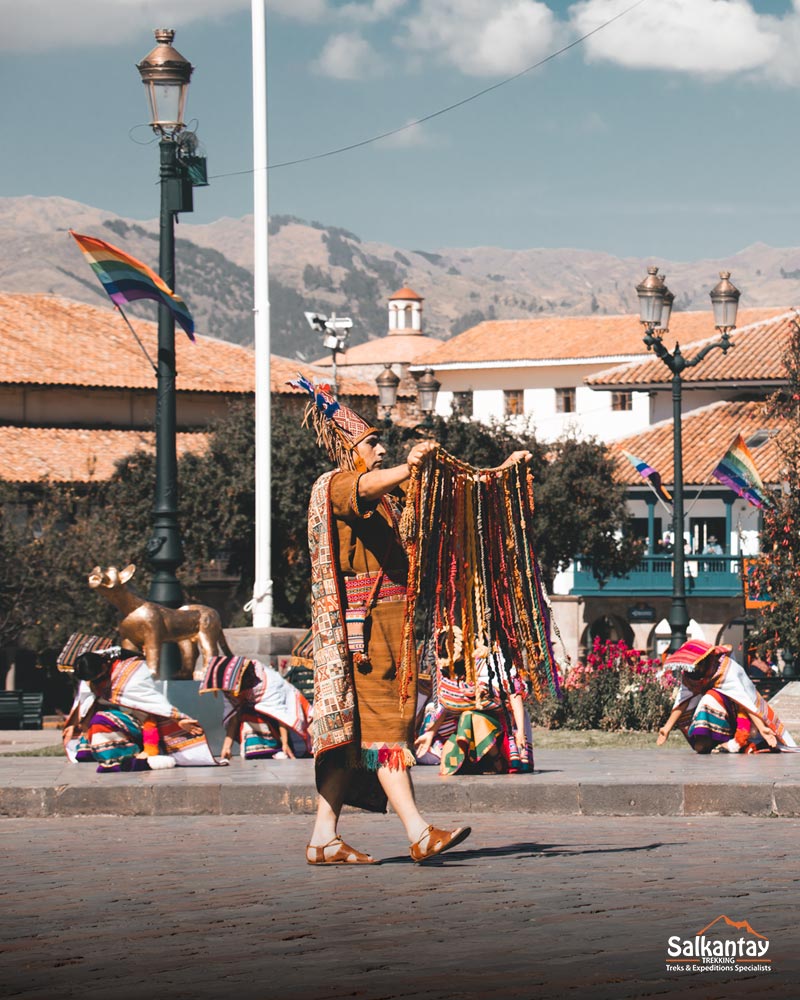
[671, 133]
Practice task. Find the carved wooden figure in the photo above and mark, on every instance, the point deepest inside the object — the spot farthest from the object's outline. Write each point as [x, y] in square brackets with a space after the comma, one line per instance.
[146, 626]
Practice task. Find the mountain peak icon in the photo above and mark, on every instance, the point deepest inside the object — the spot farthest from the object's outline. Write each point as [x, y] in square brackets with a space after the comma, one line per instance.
[737, 925]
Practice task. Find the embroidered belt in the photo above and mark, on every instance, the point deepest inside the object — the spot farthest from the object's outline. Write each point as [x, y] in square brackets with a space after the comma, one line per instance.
[360, 589]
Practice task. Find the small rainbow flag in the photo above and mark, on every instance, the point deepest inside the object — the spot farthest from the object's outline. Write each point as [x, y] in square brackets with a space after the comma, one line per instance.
[738, 471]
[127, 279]
[651, 475]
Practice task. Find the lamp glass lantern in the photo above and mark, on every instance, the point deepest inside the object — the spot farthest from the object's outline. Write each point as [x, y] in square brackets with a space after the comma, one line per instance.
[651, 298]
[387, 383]
[725, 301]
[666, 311]
[166, 74]
[427, 390]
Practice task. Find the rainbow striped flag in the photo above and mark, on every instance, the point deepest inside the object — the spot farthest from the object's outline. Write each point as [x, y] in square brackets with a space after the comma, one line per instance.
[651, 475]
[738, 471]
[127, 279]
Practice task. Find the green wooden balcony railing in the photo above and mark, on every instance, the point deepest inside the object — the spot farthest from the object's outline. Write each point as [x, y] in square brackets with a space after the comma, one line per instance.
[706, 576]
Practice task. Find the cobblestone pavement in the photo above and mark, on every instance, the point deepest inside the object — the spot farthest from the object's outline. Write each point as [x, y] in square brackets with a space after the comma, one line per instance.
[218, 906]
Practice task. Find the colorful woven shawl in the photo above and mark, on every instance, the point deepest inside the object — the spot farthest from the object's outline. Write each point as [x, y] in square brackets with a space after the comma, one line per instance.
[78, 643]
[225, 673]
[732, 681]
[334, 723]
[130, 685]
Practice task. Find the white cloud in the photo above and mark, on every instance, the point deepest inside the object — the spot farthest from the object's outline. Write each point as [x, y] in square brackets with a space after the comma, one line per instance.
[711, 38]
[483, 37]
[348, 56]
[784, 67]
[369, 12]
[42, 25]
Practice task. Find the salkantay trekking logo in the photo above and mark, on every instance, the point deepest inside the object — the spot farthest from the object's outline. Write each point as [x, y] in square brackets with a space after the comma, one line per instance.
[724, 945]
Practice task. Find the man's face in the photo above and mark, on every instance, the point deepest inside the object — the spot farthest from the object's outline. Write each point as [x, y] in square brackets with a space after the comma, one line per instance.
[372, 451]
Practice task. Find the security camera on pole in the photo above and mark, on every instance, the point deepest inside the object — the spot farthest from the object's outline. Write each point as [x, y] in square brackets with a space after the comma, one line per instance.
[335, 330]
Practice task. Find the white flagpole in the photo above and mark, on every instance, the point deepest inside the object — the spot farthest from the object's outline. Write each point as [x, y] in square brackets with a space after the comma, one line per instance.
[261, 604]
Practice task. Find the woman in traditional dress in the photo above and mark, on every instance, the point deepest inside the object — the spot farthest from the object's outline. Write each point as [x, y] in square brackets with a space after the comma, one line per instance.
[263, 711]
[122, 721]
[717, 707]
[474, 728]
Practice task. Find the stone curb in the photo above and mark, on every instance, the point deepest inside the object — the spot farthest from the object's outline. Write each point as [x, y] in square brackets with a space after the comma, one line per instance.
[581, 782]
[590, 798]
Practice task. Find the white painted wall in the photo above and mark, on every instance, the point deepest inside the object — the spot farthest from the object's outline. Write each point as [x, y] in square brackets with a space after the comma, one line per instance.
[691, 399]
[593, 414]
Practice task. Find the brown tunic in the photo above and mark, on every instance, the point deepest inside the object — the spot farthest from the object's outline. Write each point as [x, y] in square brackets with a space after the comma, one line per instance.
[368, 540]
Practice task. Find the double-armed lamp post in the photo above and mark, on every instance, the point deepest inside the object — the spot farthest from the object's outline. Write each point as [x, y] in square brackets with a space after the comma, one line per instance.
[655, 307]
[427, 390]
[166, 74]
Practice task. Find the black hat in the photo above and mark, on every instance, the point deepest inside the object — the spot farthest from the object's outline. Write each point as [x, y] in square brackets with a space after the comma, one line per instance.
[90, 666]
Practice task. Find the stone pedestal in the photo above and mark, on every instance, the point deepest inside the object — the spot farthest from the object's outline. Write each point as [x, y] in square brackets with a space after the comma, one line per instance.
[206, 708]
[787, 705]
[269, 645]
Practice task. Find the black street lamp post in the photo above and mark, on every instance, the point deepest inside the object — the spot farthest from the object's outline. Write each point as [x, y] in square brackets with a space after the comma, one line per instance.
[655, 306]
[165, 73]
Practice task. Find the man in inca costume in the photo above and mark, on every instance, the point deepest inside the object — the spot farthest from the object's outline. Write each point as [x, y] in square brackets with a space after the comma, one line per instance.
[363, 729]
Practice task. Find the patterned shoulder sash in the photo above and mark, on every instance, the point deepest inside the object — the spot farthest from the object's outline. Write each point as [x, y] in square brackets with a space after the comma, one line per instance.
[334, 690]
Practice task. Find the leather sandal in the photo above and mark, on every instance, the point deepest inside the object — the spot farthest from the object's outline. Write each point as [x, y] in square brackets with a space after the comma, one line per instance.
[439, 841]
[344, 854]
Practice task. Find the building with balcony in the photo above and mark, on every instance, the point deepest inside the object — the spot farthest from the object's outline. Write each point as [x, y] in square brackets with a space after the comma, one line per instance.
[724, 396]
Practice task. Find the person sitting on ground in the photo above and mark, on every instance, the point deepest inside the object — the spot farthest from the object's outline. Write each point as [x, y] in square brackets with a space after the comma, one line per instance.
[474, 728]
[758, 668]
[267, 715]
[717, 707]
[122, 721]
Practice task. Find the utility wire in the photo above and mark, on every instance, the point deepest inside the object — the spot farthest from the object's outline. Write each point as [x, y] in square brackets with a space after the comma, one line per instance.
[441, 111]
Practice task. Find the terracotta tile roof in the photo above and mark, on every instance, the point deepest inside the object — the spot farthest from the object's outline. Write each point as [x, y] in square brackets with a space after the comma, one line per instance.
[757, 356]
[61, 455]
[48, 340]
[406, 293]
[396, 348]
[566, 338]
[708, 432]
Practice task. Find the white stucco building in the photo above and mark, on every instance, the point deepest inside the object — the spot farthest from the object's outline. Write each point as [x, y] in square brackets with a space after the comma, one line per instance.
[538, 370]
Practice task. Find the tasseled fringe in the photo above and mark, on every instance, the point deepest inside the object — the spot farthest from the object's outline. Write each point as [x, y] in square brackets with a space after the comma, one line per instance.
[395, 758]
[329, 437]
[472, 566]
[150, 738]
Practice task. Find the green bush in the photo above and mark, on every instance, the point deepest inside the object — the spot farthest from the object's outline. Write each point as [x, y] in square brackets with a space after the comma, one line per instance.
[615, 689]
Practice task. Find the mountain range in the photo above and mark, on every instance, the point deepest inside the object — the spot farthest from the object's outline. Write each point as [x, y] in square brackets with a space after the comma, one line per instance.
[325, 269]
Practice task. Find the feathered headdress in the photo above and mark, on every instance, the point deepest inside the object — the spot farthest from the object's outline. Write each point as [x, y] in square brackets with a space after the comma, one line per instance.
[338, 428]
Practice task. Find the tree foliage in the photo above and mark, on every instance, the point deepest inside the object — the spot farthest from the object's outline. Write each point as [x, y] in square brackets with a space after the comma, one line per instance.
[776, 576]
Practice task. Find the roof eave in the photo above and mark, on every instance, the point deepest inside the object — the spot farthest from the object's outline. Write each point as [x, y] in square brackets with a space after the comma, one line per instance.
[665, 386]
[453, 366]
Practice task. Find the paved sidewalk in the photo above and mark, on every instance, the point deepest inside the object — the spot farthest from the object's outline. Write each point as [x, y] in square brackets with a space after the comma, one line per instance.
[669, 782]
[529, 907]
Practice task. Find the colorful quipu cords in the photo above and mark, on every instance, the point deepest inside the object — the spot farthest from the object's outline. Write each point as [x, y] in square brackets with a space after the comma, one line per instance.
[473, 573]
